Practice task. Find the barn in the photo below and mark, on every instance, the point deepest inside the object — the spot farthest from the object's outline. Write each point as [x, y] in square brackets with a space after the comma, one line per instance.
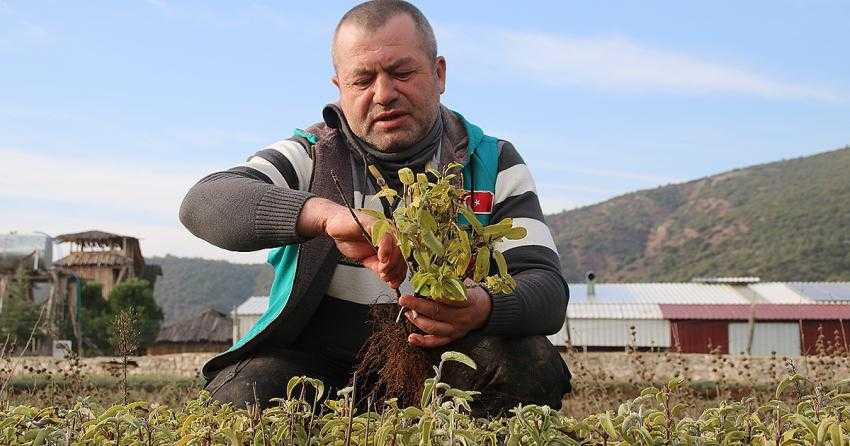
[208, 331]
[724, 314]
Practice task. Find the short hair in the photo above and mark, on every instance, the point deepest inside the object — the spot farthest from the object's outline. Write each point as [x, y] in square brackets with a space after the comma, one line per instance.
[374, 14]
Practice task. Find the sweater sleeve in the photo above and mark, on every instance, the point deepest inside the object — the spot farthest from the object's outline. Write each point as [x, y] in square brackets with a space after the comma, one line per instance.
[253, 206]
[538, 305]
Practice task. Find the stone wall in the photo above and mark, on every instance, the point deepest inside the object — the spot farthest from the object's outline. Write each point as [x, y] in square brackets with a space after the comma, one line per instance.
[608, 366]
[186, 365]
[641, 367]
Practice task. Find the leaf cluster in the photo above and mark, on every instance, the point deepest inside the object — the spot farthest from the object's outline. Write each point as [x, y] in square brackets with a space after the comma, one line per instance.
[656, 417]
[442, 240]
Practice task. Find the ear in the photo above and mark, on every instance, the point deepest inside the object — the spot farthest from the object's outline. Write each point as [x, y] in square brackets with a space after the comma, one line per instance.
[335, 80]
[440, 70]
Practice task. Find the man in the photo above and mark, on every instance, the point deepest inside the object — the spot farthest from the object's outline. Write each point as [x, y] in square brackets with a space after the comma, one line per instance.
[390, 79]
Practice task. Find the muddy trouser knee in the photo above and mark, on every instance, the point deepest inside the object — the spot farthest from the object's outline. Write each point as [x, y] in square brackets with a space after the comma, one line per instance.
[263, 375]
[511, 371]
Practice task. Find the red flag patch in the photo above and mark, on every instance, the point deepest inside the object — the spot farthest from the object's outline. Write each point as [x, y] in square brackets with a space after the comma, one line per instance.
[480, 201]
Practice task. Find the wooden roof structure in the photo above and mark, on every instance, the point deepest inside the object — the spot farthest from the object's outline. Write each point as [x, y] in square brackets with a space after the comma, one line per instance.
[106, 258]
[93, 238]
[93, 258]
[208, 326]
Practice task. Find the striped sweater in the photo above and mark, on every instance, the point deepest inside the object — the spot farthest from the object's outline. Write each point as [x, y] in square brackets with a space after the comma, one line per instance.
[255, 206]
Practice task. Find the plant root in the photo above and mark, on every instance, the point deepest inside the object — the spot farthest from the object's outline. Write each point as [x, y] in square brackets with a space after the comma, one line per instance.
[388, 366]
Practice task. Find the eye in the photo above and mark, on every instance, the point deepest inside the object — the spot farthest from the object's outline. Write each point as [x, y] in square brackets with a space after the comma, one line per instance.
[362, 82]
[403, 75]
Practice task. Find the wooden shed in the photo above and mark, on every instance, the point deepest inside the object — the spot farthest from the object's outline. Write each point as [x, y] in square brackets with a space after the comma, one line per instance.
[208, 331]
[106, 258]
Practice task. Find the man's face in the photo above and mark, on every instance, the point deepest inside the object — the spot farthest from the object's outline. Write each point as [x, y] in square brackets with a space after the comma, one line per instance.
[389, 87]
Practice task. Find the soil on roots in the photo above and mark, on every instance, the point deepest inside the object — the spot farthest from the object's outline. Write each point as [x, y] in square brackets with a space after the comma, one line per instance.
[388, 366]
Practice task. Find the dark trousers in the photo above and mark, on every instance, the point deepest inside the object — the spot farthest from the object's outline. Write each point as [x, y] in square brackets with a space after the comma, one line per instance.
[511, 371]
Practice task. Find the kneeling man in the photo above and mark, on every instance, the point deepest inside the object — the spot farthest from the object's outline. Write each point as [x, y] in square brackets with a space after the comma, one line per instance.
[388, 114]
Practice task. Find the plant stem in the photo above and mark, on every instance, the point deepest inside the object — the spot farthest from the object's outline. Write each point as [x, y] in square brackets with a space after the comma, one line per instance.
[362, 229]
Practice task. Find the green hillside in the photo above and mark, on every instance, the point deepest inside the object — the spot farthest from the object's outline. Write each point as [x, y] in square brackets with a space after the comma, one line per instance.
[787, 220]
[188, 285]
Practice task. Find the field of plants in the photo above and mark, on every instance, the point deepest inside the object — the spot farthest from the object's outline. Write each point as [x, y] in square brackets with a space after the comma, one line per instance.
[745, 405]
[632, 397]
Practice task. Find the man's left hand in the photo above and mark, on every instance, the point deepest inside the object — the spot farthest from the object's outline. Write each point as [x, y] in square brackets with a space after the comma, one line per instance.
[444, 323]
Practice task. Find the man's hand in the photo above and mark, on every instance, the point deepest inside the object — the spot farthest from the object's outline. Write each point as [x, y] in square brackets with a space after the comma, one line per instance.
[320, 216]
[444, 323]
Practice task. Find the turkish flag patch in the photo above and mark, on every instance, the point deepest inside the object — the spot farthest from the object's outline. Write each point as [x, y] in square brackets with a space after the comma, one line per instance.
[480, 201]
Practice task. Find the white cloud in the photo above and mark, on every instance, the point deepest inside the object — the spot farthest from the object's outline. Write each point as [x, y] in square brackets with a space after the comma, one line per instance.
[119, 185]
[67, 194]
[616, 63]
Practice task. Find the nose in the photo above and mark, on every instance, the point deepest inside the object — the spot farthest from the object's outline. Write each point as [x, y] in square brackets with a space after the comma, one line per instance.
[385, 92]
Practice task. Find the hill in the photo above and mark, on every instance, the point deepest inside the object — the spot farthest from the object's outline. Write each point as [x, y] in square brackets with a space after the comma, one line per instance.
[787, 220]
[188, 285]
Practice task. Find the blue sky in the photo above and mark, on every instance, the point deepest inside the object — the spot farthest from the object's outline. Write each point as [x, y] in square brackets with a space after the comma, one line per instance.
[109, 111]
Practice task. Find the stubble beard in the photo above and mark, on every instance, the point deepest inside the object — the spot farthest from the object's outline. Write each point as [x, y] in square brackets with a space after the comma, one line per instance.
[400, 139]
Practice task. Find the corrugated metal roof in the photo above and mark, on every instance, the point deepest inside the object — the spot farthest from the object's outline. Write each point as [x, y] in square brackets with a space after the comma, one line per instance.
[823, 291]
[254, 305]
[613, 311]
[779, 293]
[727, 280]
[658, 293]
[788, 312]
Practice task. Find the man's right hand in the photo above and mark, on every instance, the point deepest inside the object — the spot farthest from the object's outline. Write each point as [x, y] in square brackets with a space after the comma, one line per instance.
[320, 216]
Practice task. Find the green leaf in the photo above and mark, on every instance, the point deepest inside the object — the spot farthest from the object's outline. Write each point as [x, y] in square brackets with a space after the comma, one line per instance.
[419, 280]
[516, 233]
[836, 434]
[379, 228]
[404, 246]
[458, 357]
[433, 243]
[425, 439]
[405, 175]
[423, 259]
[372, 213]
[784, 384]
[482, 263]
[290, 386]
[471, 219]
[426, 220]
[497, 230]
[500, 262]
[456, 289]
[804, 421]
[427, 393]
[608, 425]
[464, 253]
[453, 166]
[822, 429]
[387, 193]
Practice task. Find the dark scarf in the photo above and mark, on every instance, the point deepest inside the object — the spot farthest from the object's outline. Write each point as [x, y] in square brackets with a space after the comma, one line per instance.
[415, 157]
